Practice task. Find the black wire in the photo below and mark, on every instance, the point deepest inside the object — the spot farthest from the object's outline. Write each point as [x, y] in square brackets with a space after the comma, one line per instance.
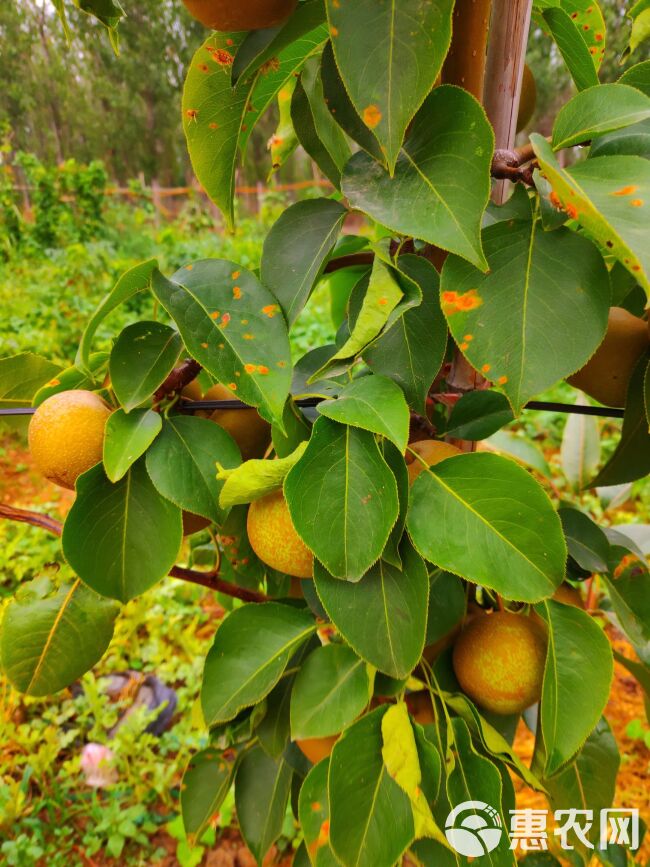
[307, 402]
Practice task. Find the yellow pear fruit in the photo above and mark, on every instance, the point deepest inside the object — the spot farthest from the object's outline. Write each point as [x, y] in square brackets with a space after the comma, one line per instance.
[569, 595]
[528, 99]
[431, 451]
[66, 435]
[274, 539]
[606, 375]
[246, 426]
[192, 391]
[499, 661]
[317, 749]
[227, 15]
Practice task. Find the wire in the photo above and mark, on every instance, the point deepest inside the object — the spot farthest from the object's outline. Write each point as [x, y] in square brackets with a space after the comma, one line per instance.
[307, 402]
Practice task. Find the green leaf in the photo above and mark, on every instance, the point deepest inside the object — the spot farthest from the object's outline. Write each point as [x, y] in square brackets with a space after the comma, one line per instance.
[577, 679]
[638, 76]
[262, 788]
[313, 813]
[479, 414]
[315, 127]
[580, 451]
[260, 46]
[395, 460]
[447, 605]
[331, 690]
[495, 526]
[586, 542]
[597, 111]
[589, 20]
[255, 478]
[441, 184]
[134, 280]
[629, 141]
[389, 57]
[473, 777]
[233, 326]
[250, 651]
[536, 344]
[181, 463]
[606, 196]
[73, 377]
[522, 450]
[572, 47]
[273, 77]
[22, 376]
[121, 538]
[631, 459]
[126, 438]
[372, 403]
[213, 116]
[296, 249]
[589, 782]
[51, 635]
[340, 105]
[383, 617]
[142, 357]
[371, 819]
[640, 15]
[206, 782]
[342, 498]
[630, 598]
[412, 352]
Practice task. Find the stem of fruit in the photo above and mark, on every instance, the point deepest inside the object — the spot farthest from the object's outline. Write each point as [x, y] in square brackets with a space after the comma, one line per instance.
[210, 580]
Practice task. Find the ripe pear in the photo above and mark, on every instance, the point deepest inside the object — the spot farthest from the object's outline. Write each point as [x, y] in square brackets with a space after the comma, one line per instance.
[431, 451]
[499, 661]
[227, 15]
[274, 539]
[528, 99]
[569, 595]
[66, 435]
[192, 391]
[317, 749]
[246, 426]
[606, 375]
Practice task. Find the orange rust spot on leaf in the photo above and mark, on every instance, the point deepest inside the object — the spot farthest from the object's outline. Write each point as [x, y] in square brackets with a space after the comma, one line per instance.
[235, 274]
[263, 369]
[599, 37]
[215, 314]
[203, 67]
[232, 386]
[249, 337]
[637, 203]
[213, 125]
[626, 191]
[225, 319]
[502, 380]
[229, 42]
[191, 113]
[271, 65]
[334, 31]
[464, 346]
[371, 116]
[555, 200]
[572, 211]
[249, 368]
[468, 337]
[485, 368]
[236, 292]
[282, 363]
[383, 301]
[204, 345]
[270, 310]
[244, 321]
[316, 807]
[222, 57]
[189, 267]
[54, 382]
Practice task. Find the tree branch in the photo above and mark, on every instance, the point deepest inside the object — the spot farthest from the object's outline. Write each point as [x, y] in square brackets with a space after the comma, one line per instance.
[178, 378]
[210, 580]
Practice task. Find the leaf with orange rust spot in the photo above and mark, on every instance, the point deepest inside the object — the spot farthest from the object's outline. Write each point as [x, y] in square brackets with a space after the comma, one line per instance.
[313, 813]
[441, 183]
[389, 56]
[588, 188]
[261, 366]
[519, 340]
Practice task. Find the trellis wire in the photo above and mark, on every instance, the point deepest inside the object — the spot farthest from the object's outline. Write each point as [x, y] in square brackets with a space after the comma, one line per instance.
[308, 402]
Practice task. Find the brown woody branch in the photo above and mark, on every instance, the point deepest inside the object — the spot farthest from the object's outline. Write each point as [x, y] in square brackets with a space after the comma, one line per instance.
[210, 580]
[178, 378]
